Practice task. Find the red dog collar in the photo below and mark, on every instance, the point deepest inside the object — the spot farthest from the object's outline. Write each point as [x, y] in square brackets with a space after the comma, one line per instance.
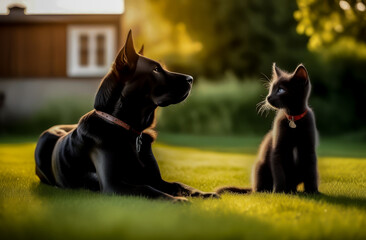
[292, 119]
[116, 121]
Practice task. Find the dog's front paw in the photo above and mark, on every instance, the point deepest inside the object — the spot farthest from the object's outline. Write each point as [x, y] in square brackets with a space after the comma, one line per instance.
[205, 194]
[210, 195]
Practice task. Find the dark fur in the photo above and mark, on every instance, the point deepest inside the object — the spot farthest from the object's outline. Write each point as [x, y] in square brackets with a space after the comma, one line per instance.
[98, 155]
[287, 155]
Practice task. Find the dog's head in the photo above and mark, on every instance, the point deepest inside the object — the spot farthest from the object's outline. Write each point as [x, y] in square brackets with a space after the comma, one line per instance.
[147, 80]
[136, 85]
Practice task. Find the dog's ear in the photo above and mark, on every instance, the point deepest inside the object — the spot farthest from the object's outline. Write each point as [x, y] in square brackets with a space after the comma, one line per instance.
[127, 57]
[141, 52]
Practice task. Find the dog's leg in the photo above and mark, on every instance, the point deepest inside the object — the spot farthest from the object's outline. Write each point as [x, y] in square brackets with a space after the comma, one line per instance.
[108, 167]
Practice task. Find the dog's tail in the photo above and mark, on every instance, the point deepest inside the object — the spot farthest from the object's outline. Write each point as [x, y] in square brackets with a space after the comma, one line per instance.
[231, 189]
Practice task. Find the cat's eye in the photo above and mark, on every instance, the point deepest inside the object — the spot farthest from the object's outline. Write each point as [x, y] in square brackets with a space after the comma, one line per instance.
[281, 91]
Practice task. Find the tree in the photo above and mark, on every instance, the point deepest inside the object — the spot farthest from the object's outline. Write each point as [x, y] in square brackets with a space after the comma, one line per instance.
[241, 36]
[332, 21]
[337, 33]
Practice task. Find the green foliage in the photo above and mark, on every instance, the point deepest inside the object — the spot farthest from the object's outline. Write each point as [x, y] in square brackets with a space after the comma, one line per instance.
[336, 31]
[327, 22]
[338, 93]
[226, 107]
[30, 210]
[58, 111]
[244, 37]
[229, 106]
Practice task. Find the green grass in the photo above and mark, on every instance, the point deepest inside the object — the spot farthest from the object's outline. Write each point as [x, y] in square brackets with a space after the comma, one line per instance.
[30, 210]
[342, 146]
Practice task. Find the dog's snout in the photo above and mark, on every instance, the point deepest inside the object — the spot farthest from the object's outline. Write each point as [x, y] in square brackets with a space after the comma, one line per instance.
[189, 79]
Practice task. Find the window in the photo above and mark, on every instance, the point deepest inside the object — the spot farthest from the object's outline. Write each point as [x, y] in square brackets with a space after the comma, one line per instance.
[90, 50]
[100, 50]
[84, 50]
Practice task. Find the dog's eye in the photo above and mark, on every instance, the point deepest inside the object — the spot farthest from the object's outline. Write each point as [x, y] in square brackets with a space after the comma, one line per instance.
[156, 69]
[280, 91]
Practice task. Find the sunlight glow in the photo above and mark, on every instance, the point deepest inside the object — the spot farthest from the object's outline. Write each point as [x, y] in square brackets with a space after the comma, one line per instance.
[66, 6]
[344, 5]
[360, 7]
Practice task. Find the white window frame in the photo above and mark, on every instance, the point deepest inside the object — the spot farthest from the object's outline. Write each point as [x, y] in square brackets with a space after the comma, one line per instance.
[74, 69]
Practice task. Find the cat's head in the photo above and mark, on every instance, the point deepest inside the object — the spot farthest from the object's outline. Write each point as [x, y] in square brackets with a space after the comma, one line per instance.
[289, 90]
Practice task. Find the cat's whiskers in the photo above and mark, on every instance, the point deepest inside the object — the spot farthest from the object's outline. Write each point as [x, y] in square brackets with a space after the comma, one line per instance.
[263, 106]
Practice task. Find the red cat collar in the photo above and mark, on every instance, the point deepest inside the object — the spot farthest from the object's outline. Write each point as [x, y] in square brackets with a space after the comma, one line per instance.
[292, 119]
[297, 117]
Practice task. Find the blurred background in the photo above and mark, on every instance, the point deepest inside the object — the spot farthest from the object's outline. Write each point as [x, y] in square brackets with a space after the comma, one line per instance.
[54, 53]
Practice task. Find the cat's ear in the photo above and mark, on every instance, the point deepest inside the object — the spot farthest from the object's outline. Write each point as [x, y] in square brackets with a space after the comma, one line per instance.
[127, 56]
[276, 72]
[141, 52]
[301, 73]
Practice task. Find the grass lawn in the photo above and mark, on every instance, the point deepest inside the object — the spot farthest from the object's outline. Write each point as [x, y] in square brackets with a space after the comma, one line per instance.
[342, 146]
[30, 210]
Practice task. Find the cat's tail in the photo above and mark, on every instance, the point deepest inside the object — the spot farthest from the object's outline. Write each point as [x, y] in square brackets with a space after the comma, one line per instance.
[231, 189]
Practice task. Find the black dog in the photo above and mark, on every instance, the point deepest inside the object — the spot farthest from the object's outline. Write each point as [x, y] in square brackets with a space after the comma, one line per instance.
[109, 150]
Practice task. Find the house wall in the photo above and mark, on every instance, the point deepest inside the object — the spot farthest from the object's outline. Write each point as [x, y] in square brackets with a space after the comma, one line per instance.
[25, 97]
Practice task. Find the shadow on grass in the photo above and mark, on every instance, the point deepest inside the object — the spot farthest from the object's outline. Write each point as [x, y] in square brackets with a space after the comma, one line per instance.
[52, 192]
[141, 218]
[336, 200]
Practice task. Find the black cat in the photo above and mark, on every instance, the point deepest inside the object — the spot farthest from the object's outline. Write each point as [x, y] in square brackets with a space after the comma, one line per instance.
[287, 154]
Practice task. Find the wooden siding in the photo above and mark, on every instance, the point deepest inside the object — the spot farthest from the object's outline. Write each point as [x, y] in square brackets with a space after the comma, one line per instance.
[32, 50]
[36, 45]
